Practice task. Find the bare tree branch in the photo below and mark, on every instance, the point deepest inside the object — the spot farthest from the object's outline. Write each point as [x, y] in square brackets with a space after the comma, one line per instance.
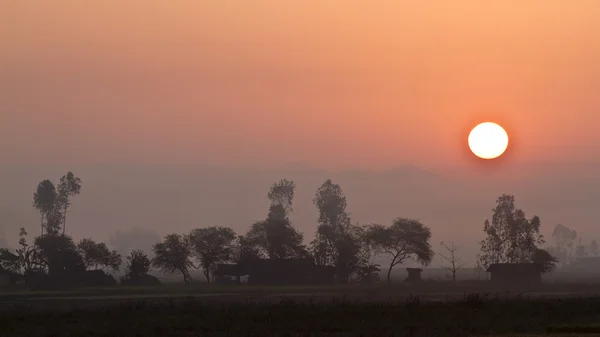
[452, 259]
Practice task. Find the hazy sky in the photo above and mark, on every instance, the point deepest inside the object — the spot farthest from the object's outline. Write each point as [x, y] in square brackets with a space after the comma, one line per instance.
[330, 83]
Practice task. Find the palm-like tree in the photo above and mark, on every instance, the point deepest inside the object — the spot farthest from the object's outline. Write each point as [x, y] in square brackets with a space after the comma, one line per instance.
[367, 272]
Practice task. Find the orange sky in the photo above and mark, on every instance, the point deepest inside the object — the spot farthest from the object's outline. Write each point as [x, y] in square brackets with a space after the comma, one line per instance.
[330, 83]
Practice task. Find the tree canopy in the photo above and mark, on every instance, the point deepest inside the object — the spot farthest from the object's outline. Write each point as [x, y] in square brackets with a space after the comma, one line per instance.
[276, 237]
[212, 245]
[137, 264]
[53, 203]
[173, 255]
[69, 186]
[97, 255]
[403, 239]
[282, 193]
[510, 237]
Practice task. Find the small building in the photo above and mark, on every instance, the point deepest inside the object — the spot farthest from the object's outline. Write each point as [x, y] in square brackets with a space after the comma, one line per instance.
[414, 275]
[225, 270]
[515, 273]
[279, 272]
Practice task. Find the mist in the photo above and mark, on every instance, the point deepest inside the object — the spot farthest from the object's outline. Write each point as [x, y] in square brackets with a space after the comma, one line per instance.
[133, 206]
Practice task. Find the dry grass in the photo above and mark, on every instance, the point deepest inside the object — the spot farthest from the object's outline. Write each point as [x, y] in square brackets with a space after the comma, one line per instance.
[472, 315]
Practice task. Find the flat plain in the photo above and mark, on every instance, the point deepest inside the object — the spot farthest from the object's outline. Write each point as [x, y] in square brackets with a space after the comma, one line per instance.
[354, 310]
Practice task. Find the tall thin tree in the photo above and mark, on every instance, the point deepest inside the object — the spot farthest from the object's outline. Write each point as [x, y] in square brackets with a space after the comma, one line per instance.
[69, 186]
[44, 200]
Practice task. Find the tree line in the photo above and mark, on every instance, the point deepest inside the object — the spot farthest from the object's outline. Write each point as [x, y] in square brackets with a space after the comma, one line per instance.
[347, 246]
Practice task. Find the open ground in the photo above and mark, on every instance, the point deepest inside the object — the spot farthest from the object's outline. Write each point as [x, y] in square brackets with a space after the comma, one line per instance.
[430, 309]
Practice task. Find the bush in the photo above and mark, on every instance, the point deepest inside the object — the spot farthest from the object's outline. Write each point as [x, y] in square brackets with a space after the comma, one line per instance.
[143, 280]
[94, 278]
[88, 278]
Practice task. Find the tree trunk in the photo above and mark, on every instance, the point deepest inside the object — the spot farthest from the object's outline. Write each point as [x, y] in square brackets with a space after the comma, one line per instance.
[185, 276]
[65, 221]
[42, 225]
[454, 277]
[389, 273]
[207, 274]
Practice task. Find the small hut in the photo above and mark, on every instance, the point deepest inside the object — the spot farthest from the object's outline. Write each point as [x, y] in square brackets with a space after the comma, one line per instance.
[282, 271]
[277, 272]
[223, 271]
[414, 275]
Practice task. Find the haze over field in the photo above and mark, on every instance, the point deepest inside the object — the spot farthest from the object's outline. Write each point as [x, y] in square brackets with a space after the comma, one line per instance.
[177, 199]
[181, 114]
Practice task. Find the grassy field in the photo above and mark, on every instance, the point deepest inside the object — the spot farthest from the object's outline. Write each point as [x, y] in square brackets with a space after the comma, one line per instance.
[382, 291]
[429, 309]
[473, 315]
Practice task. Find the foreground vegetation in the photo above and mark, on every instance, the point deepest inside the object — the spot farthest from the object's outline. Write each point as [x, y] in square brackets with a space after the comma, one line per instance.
[474, 314]
[363, 291]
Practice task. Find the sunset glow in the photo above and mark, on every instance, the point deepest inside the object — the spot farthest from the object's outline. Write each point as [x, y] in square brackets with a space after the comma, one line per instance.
[338, 84]
[488, 140]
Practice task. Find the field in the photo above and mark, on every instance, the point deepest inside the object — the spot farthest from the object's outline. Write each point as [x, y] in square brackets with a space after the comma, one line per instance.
[200, 310]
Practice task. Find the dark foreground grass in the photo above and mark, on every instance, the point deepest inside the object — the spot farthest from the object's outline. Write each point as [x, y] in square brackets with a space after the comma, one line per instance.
[475, 315]
[380, 290]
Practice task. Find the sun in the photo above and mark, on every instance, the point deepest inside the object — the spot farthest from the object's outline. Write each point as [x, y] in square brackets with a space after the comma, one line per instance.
[488, 140]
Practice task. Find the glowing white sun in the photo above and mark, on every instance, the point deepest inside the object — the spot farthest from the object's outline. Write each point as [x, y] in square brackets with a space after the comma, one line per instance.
[488, 140]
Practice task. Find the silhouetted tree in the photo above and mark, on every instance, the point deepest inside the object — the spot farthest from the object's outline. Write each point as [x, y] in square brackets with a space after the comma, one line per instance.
[28, 255]
[451, 258]
[69, 186]
[9, 261]
[89, 252]
[564, 239]
[244, 253]
[333, 221]
[544, 259]
[351, 251]
[137, 264]
[53, 203]
[580, 250]
[404, 239]
[173, 255]
[212, 245]
[44, 200]
[338, 242]
[276, 238]
[282, 193]
[510, 237]
[59, 254]
[113, 260]
[366, 272]
[593, 248]
[97, 255]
